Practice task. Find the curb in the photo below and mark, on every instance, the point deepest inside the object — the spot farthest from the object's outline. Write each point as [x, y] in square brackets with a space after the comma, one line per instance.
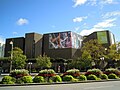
[88, 81]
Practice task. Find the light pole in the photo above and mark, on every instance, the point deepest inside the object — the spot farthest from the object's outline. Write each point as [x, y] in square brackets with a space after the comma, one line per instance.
[102, 61]
[11, 43]
[30, 66]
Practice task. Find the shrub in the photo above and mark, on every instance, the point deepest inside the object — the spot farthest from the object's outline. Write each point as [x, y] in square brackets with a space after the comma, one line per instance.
[73, 72]
[68, 78]
[96, 72]
[19, 73]
[112, 76]
[27, 79]
[47, 73]
[104, 76]
[92, 77]
[112, 70]
[8, 80]
[82, 77]
[38, 79]
[56, 78]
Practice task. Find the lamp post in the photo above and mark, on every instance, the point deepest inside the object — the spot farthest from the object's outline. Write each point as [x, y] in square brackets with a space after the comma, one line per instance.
[102, 60]
[11, 56]
[30, 66]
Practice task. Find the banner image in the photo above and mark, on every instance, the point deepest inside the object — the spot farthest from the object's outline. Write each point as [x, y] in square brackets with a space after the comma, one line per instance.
[60, 40]
[76, 40]
[102, 37]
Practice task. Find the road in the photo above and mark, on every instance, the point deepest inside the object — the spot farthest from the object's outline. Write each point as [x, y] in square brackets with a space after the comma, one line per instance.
[111, 85]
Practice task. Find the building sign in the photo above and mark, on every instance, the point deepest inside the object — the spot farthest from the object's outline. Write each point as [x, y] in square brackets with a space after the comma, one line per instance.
[102, 37]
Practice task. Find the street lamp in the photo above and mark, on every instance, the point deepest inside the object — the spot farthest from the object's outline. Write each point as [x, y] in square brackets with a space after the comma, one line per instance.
[30, 66]
[102, 62]
[11, 56]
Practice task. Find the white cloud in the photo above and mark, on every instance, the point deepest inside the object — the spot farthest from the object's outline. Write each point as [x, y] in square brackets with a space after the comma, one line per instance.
[79, 2]
[99, 27]
[87, 32]
[108, 2]
[111, 14]
[22, 21]
[94, 2]
[79, 19]
[105, 24]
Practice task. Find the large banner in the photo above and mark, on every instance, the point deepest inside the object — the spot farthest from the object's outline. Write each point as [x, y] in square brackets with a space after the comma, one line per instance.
[64, 40]
[76, 40]
[102, 37]
[60, 40]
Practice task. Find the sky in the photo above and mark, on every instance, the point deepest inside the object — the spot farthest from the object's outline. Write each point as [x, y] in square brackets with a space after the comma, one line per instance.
[18, 17]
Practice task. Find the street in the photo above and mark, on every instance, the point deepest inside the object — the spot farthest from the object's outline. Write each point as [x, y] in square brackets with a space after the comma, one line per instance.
[110, 85]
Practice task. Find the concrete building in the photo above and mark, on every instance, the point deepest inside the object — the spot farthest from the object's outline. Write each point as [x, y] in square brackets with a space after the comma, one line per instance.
[2, 47]
[33, 45]
[17, 42]
[106, 38]
[65, 45]
[62, 45]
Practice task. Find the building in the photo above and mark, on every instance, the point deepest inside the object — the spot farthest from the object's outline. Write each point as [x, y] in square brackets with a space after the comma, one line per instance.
[33, 45]
[17, 42]
[106, 38]
[2, 47]
[62, 45]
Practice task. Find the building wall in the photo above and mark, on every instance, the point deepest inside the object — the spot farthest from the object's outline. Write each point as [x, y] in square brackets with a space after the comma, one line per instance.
[17, 42]
[66, 52]
[2, 48]
[33, 45]
[108, 42]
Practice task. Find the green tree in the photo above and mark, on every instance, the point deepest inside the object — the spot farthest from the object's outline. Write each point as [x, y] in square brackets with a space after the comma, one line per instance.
[18, 60]
[43, 62]
[113, 54]
[94, 49]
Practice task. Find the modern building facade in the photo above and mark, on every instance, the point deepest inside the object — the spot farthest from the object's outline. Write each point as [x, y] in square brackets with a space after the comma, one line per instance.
[17, 42]
[2, 47]
[106, 38]
[62, 44]
[33, 45]
[65, 45]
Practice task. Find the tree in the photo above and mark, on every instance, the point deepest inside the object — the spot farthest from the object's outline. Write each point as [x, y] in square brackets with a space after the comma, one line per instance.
[93, 50]
[113, 54]
[43, 62]
[18, 60]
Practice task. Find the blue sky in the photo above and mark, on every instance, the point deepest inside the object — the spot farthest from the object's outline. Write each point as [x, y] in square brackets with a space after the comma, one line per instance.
[18, 17]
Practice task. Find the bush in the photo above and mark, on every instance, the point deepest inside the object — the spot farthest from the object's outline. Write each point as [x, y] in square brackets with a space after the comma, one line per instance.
[73, 72]
[82, 77]
[96, 72]
[112, 76]
[104, 76]
[92, 77]
[19, 73]
[38, 79]
[8, 80]
[47, 73]
[27, 79]
[56, 78]
[68, 78]
[112, 70]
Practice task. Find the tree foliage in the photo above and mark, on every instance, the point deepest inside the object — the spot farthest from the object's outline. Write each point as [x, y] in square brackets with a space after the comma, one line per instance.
[113, 54]
[43, 62]
[94, 49]
[18, 60]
